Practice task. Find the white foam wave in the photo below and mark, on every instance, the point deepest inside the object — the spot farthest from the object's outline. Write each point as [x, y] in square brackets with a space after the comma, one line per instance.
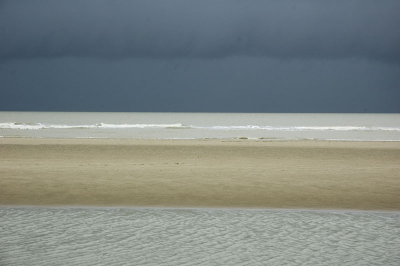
[37, 126]
[103, 125]
[303, 128]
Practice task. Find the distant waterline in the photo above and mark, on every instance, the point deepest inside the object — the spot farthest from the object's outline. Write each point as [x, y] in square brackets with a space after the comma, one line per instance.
[352, 127]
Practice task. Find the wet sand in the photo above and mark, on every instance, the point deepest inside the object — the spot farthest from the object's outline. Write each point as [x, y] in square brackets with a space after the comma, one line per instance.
[200, 173]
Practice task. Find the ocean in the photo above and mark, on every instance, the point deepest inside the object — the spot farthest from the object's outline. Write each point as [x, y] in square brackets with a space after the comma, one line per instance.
[347, 127]
[183, 236]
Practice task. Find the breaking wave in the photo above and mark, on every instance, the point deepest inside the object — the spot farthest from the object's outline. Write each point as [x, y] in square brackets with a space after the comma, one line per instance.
[304, 128]
[38, 126]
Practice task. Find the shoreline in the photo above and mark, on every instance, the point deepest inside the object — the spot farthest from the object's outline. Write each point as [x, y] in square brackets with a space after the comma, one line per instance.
[154, 141]
[208, 174]
[177, 208]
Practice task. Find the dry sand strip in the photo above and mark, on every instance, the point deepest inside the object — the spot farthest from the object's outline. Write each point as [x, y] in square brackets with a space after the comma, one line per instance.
[200, 173]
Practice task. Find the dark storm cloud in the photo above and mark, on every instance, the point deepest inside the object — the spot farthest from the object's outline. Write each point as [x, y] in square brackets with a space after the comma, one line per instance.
[202, 28]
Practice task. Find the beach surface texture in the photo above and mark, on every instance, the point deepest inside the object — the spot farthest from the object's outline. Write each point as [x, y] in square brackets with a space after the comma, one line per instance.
[200, 173]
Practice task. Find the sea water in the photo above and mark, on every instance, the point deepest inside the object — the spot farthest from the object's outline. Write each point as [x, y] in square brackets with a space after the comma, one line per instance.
[129, 236]
[355, 127]
[149, 236]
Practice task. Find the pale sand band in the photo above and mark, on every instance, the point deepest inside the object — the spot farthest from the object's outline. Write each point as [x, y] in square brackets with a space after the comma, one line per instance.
[200, 173]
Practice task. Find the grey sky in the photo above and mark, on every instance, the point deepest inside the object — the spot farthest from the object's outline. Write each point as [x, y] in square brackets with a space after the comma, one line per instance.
[210, 56]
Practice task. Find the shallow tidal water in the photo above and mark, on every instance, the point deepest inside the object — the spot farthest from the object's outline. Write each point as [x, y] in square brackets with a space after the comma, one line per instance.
[150, 236]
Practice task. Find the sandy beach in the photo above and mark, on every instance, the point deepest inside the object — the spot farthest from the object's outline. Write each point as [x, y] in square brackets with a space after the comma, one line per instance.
[200, 173]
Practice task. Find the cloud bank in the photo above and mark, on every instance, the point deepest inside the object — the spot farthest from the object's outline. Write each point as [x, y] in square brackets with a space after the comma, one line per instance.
[321, 29]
